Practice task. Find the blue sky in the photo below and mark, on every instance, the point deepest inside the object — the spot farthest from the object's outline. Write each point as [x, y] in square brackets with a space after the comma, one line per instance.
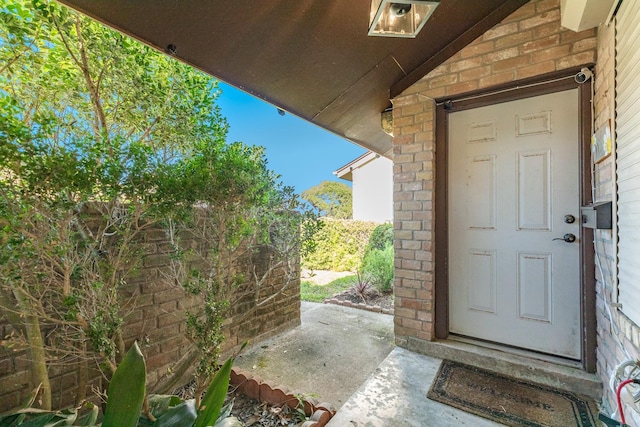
[302, 153]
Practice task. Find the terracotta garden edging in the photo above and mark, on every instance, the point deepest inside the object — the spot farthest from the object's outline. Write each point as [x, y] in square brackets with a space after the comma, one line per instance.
[256, 388]
[360, 305]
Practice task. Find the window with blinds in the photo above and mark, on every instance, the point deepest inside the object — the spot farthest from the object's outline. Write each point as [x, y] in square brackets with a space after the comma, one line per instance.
[628, 156]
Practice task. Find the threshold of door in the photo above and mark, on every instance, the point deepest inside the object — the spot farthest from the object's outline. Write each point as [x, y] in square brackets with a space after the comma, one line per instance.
[540, 369]
[518, 351]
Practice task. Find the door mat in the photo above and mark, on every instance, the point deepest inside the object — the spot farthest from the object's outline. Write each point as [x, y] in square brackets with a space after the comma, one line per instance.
[507, 400]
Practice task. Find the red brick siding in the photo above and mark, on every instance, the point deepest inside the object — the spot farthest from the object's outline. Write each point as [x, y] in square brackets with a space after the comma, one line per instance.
[158, 323]
[527, 43]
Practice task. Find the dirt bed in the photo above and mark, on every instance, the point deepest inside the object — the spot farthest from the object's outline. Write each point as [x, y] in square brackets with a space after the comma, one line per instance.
[371, 298]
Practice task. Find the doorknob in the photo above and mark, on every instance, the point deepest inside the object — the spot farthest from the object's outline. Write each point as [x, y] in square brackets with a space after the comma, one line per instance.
[569, 238]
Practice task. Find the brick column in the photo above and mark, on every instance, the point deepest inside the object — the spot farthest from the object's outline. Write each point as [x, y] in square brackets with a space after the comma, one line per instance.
[413, 155]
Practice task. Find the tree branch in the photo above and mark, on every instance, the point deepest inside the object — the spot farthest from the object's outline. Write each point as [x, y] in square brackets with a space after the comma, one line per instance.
[22, 52]
[93, 90]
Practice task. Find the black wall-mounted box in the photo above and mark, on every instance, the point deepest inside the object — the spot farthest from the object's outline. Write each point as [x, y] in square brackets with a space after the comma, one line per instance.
[597, 215]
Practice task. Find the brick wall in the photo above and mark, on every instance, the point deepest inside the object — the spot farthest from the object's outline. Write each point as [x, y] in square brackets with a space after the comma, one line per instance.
[158, 323]
[530, 42]
[622, 333]
[527, 43]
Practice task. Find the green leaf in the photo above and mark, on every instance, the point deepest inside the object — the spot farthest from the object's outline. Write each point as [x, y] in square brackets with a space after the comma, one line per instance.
[225, 412]
[66, 417]
[214, 398]
[12, 420]
[39, 420]
[33, 417]
[183, 414]
[90, 418]
[126, 391]
[161, 403]
[228, 422]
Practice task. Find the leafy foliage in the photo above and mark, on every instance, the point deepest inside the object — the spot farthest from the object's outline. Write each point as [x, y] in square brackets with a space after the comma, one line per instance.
[378, 260]
[235, 208]
[381, 237]
[89, 118]
[102, 139]
[331, 199]
[378, 266]
[340, 245]
[124, 404]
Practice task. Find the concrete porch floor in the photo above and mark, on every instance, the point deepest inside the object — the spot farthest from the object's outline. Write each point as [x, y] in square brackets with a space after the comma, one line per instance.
[346, 357]
[396, 395]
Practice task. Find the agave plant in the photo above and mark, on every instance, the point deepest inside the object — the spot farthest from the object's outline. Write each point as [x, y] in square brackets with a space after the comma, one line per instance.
[125, 399]
[363, 287]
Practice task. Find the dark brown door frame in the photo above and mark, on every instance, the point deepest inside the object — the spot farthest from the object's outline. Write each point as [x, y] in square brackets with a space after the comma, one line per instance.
[541, 85]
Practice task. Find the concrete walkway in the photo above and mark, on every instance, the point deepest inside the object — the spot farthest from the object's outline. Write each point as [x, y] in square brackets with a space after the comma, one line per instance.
[346, 357]
[328, 356]
[396, 395]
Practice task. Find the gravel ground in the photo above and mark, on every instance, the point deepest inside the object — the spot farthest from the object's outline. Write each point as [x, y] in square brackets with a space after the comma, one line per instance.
[253, 413]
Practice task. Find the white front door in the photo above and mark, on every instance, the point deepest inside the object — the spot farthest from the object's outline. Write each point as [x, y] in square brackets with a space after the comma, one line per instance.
[513, 178]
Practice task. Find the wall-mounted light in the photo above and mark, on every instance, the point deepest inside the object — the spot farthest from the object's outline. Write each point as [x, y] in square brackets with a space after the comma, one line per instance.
[399, 19]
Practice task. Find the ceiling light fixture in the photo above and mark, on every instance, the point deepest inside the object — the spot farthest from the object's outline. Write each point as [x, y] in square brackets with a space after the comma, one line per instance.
[399, 19]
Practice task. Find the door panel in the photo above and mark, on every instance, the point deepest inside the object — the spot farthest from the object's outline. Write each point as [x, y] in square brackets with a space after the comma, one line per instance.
[482, 192]
[513, 176]
[482, 296]
[534, 185]
[534, 286]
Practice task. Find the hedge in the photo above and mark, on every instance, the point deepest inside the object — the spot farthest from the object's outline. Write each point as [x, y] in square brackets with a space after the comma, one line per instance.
[341, 245]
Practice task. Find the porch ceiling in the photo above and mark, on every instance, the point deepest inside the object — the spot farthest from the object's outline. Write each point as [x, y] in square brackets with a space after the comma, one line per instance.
[312, 58]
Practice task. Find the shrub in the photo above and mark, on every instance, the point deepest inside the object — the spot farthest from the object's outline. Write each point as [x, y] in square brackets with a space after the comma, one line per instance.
[378, 265]
[381, 237]
[340, 245]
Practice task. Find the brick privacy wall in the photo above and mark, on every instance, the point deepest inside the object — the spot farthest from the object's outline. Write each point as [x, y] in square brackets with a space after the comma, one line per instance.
[623, 333]
[158, 323]
[529, 42]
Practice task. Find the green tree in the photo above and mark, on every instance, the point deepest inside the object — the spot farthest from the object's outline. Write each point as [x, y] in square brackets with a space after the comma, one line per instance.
[331, 199]
[236, 209]
[87, 118]
[102, 139]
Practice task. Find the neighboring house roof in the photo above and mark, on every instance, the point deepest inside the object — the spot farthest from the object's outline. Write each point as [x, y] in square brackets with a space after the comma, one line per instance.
[309, 57]
[346, 171]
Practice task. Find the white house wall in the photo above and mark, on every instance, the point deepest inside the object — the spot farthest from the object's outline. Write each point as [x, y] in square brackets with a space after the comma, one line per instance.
[373, 191]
